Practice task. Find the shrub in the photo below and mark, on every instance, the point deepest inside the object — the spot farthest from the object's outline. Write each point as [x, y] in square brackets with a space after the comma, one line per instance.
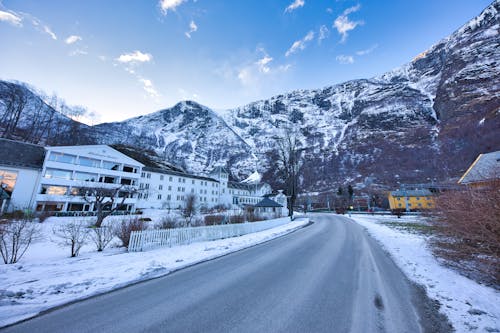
[101, 236]
[125, 228]
[73, 234]
[16, 235]
[236, 219]
[214, 219]
[468, 225]
[43, 216]
[167, 222]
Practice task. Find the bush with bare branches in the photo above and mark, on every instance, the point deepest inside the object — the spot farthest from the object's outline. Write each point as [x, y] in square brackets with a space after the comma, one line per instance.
[125, 228]
[101, 236]
[16, 235]
[73, 234]
[468, 225]
[167, 222]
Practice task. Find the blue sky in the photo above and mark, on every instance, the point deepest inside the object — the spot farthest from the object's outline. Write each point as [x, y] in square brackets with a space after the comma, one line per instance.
[121, 59]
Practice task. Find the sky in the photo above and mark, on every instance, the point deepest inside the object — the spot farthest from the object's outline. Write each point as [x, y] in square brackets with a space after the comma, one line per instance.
[121, 59]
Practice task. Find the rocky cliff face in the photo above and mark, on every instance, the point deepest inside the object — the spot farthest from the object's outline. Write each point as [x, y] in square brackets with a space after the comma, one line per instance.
[188, 134]
[427, 119]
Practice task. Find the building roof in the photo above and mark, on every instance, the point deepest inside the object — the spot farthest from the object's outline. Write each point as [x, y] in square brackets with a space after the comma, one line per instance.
[21, 154]
[218, 170]
[411, 193]
[486, 167]
[266, 202]
[179, 174]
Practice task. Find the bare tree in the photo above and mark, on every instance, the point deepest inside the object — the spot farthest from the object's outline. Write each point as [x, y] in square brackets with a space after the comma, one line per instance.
[106, 200]
[289, 156]
[15, 238]
[189, 209]
[73, 234]
[14, 98]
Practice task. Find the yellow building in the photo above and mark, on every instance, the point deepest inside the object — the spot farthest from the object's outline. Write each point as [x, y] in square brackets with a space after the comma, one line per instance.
[415, 199]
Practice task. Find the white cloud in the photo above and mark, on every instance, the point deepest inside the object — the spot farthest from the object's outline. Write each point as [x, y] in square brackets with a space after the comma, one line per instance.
[294, 5]
[40, 26]
[323, 33]
[192, 28]
[367, 51]
[300, 44]
[263, 63]
[344, 25]
[345, 59]
[166, 5]
[253, 74]
[103, 58]
[11, 17]
[72, 39]
[48, 31]
[134, 57]
[78, 52]
[148, 87]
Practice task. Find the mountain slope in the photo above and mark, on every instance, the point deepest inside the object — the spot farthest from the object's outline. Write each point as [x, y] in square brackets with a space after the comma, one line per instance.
[188, 134]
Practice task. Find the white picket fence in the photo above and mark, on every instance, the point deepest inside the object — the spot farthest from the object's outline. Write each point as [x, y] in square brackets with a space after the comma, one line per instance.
[152, 239]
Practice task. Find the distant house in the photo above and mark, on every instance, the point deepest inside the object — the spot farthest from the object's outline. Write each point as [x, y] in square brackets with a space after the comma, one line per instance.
[268, 208]
[484, 170]
[20, 169]
[411, 199]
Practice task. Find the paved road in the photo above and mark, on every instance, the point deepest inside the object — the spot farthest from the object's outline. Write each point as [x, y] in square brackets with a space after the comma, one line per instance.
[328, 277]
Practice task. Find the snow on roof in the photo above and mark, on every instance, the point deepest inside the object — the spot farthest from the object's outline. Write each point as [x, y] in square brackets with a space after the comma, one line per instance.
[485, 167]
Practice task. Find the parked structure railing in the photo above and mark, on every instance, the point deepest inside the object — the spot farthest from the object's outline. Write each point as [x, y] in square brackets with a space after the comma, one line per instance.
[152, 239]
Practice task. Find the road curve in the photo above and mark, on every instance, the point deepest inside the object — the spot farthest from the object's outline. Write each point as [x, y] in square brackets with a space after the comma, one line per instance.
[328, 277]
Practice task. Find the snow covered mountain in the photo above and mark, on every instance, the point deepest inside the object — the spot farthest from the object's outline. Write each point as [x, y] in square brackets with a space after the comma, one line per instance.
[427, 119]
[188, 134]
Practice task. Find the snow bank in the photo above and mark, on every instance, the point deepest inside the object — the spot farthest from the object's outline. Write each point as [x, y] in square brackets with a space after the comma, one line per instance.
[468, 305]
[46, 277]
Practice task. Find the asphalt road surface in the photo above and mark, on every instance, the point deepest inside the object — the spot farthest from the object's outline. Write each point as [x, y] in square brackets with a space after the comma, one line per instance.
[327, 277]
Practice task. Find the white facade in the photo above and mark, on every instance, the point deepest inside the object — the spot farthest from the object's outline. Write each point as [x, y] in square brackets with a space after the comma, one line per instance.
[164, 189]
[66, 169]
[19, 184]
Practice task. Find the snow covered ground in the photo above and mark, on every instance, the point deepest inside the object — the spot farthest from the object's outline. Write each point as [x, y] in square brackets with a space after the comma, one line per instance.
[47, 277]
[470, 307]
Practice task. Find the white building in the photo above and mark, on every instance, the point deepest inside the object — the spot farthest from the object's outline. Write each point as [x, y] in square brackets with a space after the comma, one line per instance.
[69, 168]
[50, 179]
[168, 189]
[236, 194]
[20, 168]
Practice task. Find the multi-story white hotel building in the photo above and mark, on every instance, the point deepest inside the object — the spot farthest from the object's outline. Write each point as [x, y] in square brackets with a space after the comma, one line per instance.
[67, 169]
[50, 179]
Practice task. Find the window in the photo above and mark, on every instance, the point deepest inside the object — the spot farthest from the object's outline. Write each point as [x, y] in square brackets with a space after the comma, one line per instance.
[146, 186]
[170, 179]
[127, 181]
[89, 162]
[112, 166]
[139, 196]
[159, 196]
[62, 158]
[170, 188]
[57, 173]
[148, 175]
[161, 177]
[141, 186]
[74, 191]
[130, 169]
[107, 179]
[160, 187]
[146, 196]
[418, 198]
[192, 181]
[54, 190]
[143, 174]
[168, 197]
[8, 180]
